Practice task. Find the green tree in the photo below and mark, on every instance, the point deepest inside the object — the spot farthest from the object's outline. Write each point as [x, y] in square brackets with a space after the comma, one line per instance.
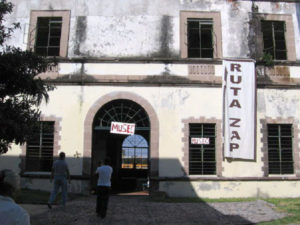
[21, 90]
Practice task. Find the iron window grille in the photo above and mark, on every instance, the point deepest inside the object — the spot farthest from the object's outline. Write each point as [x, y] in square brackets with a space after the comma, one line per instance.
[48, 36]
[274, 39]
[280, 149]
[39, 150]
[200, 38]
[202, 157]
[122, 111]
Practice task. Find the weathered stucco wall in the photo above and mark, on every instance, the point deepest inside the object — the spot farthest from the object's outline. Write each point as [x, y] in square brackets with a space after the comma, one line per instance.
[271, 103]
[76, 186]
[232, 189]
[141, 30]
[172, 105]
[11, 160]
[131, 29]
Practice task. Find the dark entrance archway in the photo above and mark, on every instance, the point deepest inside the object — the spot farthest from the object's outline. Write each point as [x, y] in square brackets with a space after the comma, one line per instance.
[129, 156]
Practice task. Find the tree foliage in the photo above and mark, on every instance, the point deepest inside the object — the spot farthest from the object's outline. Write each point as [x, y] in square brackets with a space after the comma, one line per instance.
[21, 90]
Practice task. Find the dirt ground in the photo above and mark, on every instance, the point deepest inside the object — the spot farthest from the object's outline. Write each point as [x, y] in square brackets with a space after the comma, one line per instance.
[140, 210]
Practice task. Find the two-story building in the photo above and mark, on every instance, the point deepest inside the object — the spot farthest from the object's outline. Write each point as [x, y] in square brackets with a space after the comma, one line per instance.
[141, 82]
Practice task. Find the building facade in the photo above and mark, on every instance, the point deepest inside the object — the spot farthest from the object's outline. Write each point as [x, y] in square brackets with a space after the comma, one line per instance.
[159, 65]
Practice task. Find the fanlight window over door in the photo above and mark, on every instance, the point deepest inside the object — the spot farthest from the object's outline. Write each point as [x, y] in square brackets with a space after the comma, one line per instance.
[121, 111]
[135, 153]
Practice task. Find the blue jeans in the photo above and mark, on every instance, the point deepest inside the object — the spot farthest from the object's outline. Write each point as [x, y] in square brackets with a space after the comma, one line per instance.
[59, 182]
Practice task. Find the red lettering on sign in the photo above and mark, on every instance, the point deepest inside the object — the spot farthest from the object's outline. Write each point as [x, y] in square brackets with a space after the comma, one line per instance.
[129, 128]
[122, 128]
[114, 127]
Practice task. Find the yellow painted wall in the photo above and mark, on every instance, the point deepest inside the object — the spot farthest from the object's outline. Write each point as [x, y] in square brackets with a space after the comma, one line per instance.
[172, 105]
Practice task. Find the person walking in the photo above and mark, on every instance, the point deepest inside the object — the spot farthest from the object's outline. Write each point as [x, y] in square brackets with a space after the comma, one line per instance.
[104, 173]
[10, 212]
[60, 173]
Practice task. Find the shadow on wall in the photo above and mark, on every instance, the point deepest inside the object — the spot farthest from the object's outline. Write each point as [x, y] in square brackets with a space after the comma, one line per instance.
[39, 179]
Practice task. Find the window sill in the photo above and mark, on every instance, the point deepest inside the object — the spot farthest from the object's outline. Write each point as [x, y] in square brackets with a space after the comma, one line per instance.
[286, 62]
[230, 179]
[55, 57]
[46, 175]
[202, 176]
[203, 60]
[36, 173]
[282, 176]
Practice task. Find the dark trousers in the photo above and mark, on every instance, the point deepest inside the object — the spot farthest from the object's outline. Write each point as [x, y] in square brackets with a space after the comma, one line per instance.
[102, 200]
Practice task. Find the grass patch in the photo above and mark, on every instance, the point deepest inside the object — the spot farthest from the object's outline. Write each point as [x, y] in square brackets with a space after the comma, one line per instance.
[203, 200]
[27, 196]
[291, 206]
[209, 200]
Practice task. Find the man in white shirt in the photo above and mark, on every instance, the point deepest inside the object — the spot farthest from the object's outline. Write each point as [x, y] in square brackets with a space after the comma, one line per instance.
[10, 212]
[103, 187]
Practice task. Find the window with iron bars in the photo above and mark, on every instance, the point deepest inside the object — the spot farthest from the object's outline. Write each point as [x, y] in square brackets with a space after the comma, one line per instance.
[48, 36]
[135, 153]
[200, 38]
[280, 149]
[274, 39]
[39, 150]
[202, 157]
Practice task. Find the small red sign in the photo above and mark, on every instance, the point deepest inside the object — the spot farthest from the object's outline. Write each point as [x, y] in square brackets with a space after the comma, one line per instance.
[200, 141]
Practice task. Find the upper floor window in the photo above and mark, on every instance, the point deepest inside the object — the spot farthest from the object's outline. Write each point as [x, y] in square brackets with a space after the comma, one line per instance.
[200, 38]
[274, 39]
[48, 36]
[49, 32]
[276, 36]
[280, 149]
[200, 35]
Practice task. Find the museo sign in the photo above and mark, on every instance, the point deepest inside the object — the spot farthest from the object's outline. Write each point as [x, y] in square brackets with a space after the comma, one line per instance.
[199, 141]
[122, 128]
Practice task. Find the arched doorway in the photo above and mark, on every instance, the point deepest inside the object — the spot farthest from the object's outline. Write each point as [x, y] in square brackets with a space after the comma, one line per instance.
[129, 154]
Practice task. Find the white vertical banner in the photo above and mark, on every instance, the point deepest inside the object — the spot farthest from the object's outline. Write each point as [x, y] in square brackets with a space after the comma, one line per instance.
[239, 90]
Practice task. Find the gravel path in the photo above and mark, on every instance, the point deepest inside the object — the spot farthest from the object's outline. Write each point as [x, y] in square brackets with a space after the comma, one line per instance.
[138, 210]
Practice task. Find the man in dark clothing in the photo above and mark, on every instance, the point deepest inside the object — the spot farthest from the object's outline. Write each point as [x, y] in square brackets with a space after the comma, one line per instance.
[103, 187]
[60, 173]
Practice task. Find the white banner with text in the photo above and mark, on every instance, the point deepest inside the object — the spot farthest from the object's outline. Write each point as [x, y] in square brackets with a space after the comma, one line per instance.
[239, 93]
[122, 128]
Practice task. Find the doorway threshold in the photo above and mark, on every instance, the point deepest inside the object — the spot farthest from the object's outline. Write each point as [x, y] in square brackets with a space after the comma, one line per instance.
[135, 193]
